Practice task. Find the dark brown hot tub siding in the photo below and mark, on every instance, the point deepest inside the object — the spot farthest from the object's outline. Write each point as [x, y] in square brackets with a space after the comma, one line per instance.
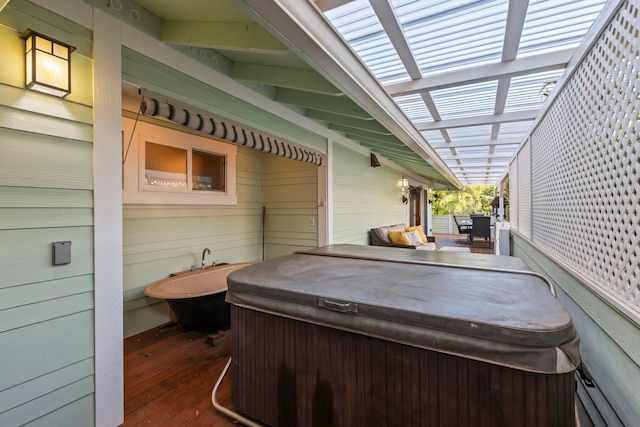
[293, 373]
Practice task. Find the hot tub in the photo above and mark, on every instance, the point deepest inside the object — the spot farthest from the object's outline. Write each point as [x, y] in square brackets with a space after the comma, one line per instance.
[350, 335]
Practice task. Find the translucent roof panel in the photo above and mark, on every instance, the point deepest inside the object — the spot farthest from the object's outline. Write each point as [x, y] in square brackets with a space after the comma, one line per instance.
[475, 132]
[359, 26]
[459, 47]
[433, 136]
[466, 101]
[506, 148]
[414, 108]
[450, 35]
[514, 129]
[530, 91]
[556, 24]
[473, 150]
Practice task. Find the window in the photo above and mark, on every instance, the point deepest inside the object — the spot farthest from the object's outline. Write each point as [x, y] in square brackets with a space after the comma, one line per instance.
[172, 167]
[168, 168]
[208, 171]
[165, 167]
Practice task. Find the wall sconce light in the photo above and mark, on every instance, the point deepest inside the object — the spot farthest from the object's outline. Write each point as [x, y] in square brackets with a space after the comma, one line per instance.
[405, 187]
[48, 64]
[374, 161]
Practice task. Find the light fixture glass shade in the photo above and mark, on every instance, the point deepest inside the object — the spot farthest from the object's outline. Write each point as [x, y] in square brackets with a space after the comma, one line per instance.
[405, 182]
[48, 64]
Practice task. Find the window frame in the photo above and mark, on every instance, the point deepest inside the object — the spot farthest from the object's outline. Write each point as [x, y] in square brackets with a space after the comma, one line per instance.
[136, 191]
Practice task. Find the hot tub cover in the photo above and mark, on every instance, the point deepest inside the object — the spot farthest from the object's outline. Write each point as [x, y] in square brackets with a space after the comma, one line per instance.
[482, 307]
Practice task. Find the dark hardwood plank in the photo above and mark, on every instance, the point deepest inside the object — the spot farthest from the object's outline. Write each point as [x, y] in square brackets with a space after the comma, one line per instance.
[451, 240]
[169, 375]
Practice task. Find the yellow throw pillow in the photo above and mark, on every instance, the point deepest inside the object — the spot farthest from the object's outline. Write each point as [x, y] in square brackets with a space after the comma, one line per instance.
[420, 230]
[399, 238]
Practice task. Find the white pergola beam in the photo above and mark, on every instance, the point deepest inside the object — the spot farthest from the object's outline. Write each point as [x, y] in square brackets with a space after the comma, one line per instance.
[513, 32]
[488, 119]
[476, 143]
[507, 156]
[480, 168]
[527, 65]
[389, 21]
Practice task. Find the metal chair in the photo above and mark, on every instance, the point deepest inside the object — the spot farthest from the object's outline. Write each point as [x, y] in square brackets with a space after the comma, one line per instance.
[481, 228]
[463, 229]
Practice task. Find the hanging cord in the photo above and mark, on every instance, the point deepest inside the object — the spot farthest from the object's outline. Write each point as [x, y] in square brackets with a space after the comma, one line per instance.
[264, 216]
[133, 131]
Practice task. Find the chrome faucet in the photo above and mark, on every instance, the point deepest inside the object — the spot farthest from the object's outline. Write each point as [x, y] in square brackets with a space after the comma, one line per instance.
[206, 250]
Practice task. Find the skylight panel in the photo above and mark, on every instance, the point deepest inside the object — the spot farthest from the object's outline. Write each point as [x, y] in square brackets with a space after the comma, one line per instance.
[441, 37]
[506, 148]
[470, 132]
[514, 129]
[433, 136]
[473, 150]
[360, 27]
[529, 91]
[414, 108]
[474, 162]
[556, 24]
[466, 101]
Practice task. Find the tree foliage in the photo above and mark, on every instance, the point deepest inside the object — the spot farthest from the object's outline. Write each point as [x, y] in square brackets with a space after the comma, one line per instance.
[475, 199]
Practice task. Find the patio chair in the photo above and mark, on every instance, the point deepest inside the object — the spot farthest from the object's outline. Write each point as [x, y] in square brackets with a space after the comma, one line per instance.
[463, 229]
[481, 228]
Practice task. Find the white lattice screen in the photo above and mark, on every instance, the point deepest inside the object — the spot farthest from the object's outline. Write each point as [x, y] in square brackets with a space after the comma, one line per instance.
[524, 190]
[586, 165]
[513, 194]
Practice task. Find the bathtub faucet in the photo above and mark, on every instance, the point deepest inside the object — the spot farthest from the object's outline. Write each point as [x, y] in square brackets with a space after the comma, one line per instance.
[207, 251]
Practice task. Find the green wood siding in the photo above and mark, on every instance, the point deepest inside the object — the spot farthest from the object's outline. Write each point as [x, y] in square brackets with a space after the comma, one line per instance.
[46, 311]
[364, 197]
[162, 239]
[291, 200]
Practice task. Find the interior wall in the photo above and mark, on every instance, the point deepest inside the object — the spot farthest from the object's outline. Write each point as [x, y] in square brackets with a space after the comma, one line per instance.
[291, 206]
[363, 197]
[46, 311]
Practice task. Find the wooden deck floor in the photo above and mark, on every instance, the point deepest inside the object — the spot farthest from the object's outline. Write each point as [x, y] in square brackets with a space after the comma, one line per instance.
[453, 240]
[170, 373]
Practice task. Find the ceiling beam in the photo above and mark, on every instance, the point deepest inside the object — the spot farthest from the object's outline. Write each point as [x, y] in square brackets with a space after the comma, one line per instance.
[305, 80]
[476, 142]
[236, 36]
[478, 156]
[521, 66]
[352, 122]
[378, 143]
[515, 116]
[480, 168]
[315, 101]
[390, 139]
